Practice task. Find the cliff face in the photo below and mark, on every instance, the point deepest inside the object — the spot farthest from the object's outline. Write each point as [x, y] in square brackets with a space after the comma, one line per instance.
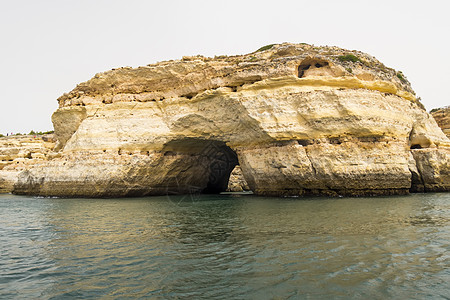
[442, 117]
[19, 153]
[297, 119]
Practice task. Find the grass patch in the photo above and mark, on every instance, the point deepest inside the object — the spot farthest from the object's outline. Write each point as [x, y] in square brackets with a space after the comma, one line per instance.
[349, 57]
[266, 47]
[349, 70]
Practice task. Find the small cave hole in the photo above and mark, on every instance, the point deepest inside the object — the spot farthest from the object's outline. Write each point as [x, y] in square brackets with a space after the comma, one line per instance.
[416, 146]
[302, 69]
[308, 63]
[233, 88]
[147, 153]
[335, 141]
[304, 143]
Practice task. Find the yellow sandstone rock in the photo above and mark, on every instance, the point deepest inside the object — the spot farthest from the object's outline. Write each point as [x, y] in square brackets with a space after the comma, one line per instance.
[297, 119]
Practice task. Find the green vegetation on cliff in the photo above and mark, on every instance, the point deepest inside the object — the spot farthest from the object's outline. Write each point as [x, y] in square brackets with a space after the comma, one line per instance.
[349, 57]
[266, 47]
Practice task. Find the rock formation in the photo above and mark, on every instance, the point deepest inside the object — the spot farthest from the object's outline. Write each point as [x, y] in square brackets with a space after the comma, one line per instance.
[297, 119]
[237, 181]
[19, 153]
[442, 117]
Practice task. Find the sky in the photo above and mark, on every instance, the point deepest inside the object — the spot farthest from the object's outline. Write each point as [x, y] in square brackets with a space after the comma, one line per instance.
[49, 46]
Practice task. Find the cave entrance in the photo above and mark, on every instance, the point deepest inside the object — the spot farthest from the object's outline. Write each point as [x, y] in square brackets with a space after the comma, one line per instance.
[206, 164]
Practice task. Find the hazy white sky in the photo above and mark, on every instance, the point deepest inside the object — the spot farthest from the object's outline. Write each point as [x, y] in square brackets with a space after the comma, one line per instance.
[49, 46]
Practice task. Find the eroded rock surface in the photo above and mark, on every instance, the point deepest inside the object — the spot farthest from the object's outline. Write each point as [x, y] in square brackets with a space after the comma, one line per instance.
[442, 117]
[297, 119]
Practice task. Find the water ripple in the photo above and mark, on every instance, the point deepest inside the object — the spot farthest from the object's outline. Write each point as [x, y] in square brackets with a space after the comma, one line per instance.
[224, 247]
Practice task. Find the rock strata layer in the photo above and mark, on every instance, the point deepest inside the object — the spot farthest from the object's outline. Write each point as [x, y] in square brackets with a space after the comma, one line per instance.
[297, 119]
[442, 117]
[19, 153]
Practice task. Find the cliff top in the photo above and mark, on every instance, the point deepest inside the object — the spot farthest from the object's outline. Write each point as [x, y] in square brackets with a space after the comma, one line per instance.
[192, 75]
[26, 138]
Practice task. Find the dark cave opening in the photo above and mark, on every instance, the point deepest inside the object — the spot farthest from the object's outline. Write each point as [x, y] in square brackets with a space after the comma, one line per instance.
[207, 165]
[310, 63]
[416, 146]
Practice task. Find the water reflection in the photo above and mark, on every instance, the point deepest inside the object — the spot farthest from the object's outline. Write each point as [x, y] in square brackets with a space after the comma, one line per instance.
[226, 247]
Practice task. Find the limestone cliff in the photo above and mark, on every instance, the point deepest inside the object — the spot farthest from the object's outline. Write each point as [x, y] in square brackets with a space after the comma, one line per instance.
[19, 153]
[442, 117]
[297, 119]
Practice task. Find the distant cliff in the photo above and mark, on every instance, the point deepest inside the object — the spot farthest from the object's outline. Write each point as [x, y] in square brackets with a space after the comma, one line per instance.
[297, 119]
[21, 152]
[442, 117]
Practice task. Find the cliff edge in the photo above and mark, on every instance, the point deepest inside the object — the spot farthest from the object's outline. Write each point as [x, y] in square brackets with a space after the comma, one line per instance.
[297, 119]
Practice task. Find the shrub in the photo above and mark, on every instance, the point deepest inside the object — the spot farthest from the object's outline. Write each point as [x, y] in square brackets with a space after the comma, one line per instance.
[434, 110]
[401, 76]
[32, 132]
[1, 135]
[349, 70]
[264, 48]
[349, 57]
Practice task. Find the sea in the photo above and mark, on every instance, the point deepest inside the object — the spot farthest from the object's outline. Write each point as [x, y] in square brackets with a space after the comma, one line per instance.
[234, 246]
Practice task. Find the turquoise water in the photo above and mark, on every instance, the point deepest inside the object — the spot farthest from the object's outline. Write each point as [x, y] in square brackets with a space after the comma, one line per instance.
[225, 247]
